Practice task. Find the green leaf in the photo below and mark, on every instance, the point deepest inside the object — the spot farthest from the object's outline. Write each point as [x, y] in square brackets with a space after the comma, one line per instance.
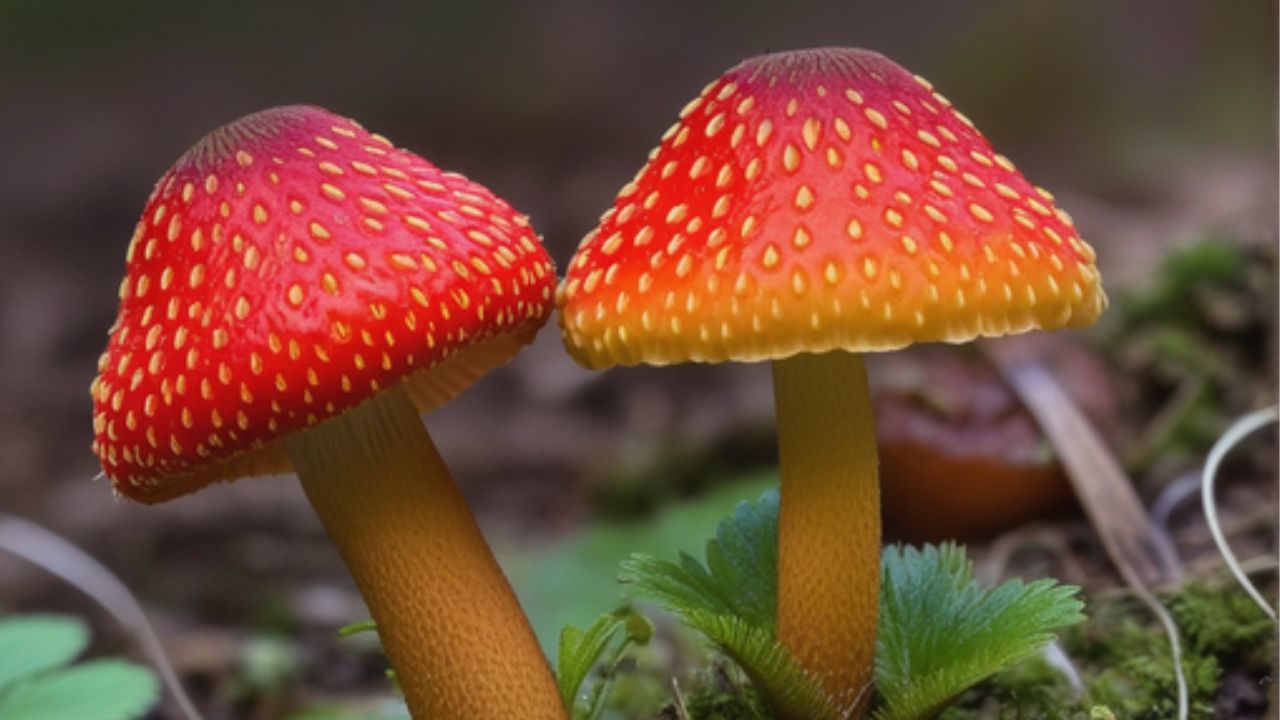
[98, 690]
[355, 628]
[784, 686]
[739, 579]
[581, 651]
[32, 644]
[732, 600]
[940, 632]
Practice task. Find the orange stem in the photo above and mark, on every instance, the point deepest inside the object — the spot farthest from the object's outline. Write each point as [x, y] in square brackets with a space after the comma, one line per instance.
[448, 620]
[829, 522]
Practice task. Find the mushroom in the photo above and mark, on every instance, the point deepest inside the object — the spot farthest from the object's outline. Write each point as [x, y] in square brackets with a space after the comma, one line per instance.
[297, 291]
[807, 207]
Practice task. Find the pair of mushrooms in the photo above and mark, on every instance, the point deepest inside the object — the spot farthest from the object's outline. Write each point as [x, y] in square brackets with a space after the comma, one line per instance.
[298, 290]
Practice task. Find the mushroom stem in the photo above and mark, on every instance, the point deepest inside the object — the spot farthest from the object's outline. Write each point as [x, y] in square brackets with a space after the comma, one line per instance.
[829, 522]
[448, 620]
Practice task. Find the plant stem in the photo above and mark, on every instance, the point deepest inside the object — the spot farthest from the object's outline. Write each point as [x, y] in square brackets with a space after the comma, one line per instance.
[448, 620]
[829, 521]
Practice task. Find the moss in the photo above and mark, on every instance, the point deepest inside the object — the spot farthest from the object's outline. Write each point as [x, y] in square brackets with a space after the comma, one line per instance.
[713, 694]
[1123, 655]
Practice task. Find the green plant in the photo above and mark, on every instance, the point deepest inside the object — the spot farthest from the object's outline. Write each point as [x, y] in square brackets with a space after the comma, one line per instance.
[38, 681]
[940, 632]
[599, 646]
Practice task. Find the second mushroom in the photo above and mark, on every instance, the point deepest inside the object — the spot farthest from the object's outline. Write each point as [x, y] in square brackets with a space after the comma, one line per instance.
[807, 207]
[297, 291]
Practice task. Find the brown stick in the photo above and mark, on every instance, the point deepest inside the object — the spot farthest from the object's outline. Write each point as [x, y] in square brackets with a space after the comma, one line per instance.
[1144, 555]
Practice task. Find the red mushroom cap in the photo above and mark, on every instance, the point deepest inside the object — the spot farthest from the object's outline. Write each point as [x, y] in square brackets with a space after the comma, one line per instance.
[817, 200]
[287, 267]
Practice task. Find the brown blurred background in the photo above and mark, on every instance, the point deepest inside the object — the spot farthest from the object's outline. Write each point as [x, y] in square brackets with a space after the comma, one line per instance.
[1152, 120]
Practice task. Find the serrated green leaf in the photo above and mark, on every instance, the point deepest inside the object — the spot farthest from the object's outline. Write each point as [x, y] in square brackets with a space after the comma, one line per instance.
[739, 578]
[31, 644]
[732, 600]
[785, 687]
[97, 690]
[940, 632]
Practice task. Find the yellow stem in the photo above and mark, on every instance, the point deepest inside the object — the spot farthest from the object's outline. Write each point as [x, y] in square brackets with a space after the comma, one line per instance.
[829, 522]
[449, 622]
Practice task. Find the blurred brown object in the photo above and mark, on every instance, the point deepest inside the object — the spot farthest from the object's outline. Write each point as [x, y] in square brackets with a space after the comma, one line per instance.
[961, 458]
[1142, 552]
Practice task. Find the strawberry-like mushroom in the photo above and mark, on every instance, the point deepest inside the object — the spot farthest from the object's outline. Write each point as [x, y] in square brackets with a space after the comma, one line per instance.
[807, 207]
[297, 291]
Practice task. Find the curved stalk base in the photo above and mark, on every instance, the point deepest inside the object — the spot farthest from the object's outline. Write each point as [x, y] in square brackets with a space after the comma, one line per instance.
[828, 522]
[449, 622]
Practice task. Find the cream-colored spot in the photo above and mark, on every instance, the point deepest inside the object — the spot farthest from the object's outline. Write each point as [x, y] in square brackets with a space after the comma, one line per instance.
[876, 118]
[715, 125]
[811, 132]
[770, 258]
[801, 238]
[763, 132]
[854, 229]
[804, 198]
[799, 282]
[791, 158]
[981, 213]
[842, 129]
[296, 295]
[332, 192]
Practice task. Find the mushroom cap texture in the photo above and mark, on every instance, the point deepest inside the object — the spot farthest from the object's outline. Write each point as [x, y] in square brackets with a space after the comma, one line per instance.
[287, 267]
[818, 200]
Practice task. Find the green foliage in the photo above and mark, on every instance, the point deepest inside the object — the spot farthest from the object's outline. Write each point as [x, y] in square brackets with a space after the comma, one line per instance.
[1222, 621]
[36, 684]
[600, 645]
[731, 600]
[1127, 660]
[357, 628]
[714, 695]
[940, 632]
[1215, 262]
[1029, 690]
[561, 583]
[739, 578]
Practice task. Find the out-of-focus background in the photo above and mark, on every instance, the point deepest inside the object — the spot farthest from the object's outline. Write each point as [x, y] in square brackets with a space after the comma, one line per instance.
[1153, 121]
